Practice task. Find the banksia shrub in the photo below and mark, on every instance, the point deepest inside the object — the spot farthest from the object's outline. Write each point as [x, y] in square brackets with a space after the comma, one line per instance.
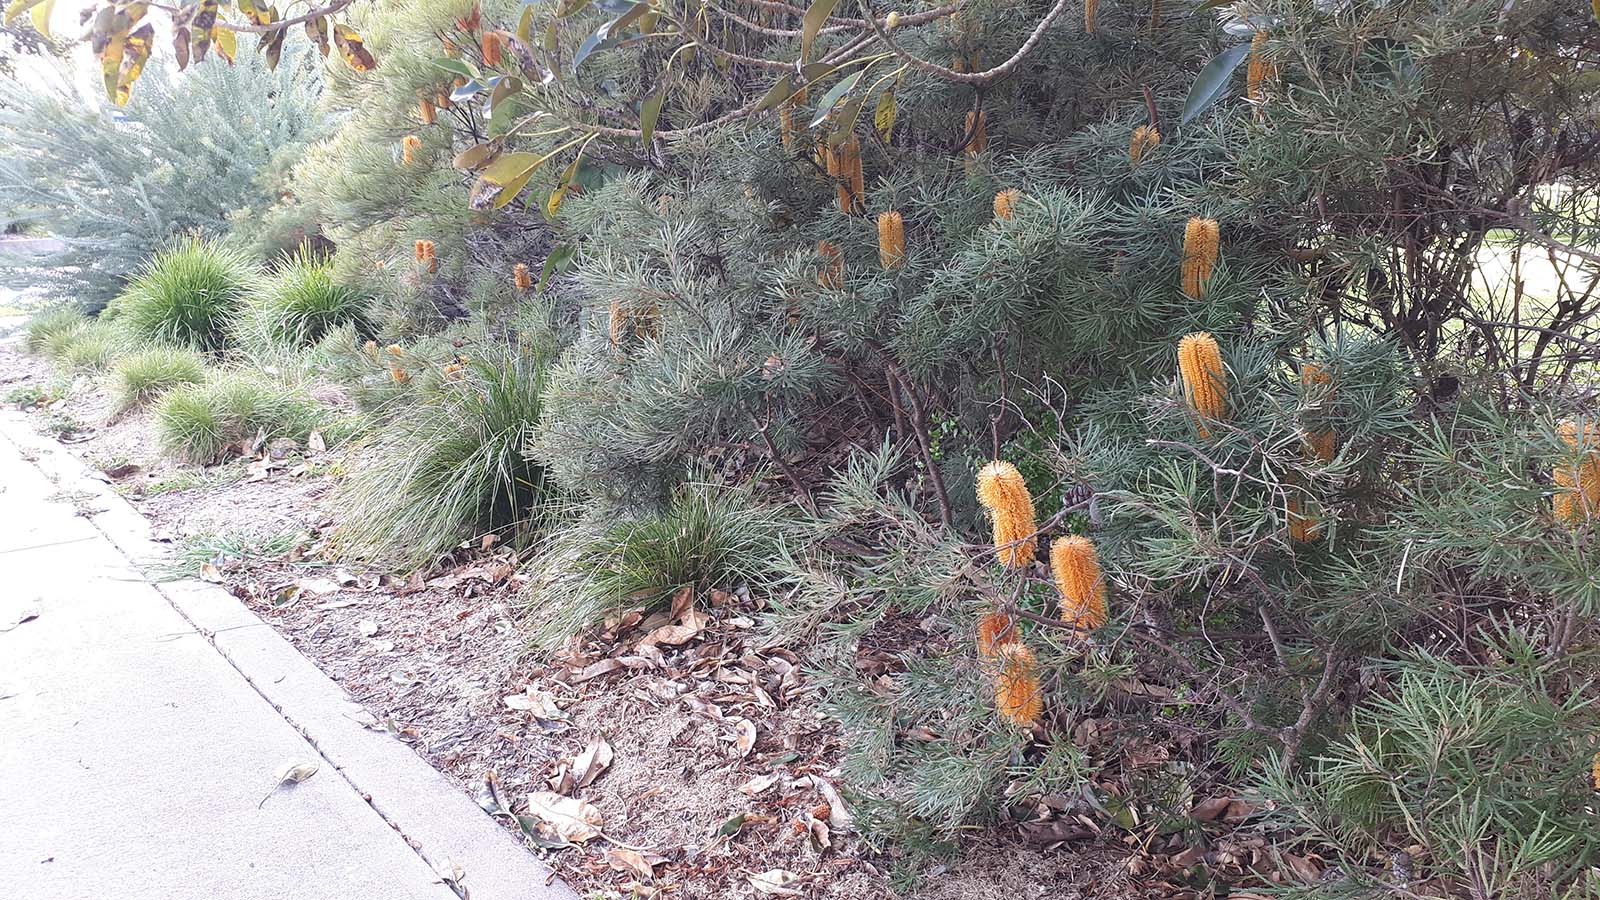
[891, 240]
[1205, 382]
[521, 277]
[831, 275]
[1017, 697]
[1145, 138]
[427, 111]
[493, 44]
[1002, 491]
[1082, 584]
[1005, 203]
[1304, 523]
[995, 631]
[1201, 243]
[1579, 480]
[409, 146]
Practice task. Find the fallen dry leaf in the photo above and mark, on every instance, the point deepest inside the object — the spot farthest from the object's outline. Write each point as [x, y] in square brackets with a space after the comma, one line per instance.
[775, 883]
[758, 785]
[573, 819]
[744, 737]
[693, 623]
[293, 773]
[210, 571]
[623, 859]
[588, 765]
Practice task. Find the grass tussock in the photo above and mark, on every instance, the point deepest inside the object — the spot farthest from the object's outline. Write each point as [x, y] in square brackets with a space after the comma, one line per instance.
[299, 304]
[199, 423]
[51, 322]
[186, 295]
[88, 346]
[706, 536]
[144, 376]
[452, 467]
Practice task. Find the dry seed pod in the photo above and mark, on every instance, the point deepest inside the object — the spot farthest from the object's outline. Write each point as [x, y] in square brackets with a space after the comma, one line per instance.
[1090, 7]
[995, 630]
[427, 110]
[786, 127]
[1003, 492]
[1304, 524]
[1016, 686]
[1145, 138]
[1155, 14]
[831, 275]
[1005, 203]
[1205, 381]
[1201, 247]
[891, 240]
[1081, 582]
[977, 127]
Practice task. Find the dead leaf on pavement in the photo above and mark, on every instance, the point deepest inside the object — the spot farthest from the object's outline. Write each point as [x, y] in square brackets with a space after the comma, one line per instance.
[572, 819]
[210, 571]
[293, 773]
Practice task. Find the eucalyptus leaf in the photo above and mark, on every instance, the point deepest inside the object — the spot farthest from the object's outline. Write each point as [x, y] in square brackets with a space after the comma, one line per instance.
[1212, 82]
[649, 112]
[811, 24]
[831, 98]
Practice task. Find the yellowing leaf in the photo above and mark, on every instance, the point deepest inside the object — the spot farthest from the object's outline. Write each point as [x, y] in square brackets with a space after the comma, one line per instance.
[504, 179]
[317, 30]
[227, 41]
[476, 155]
[888, 110]
[41, 16]
[355, 51]
[136, 50]
[18, 7]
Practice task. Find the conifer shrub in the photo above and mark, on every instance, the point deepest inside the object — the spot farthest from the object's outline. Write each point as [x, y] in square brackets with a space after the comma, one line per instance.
[202, 423]
[187, 295]
[451, 466]
[143, 376]
[298, 303]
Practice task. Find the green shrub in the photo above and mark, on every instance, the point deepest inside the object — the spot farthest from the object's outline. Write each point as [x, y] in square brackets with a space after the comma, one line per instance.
[201, 422]
[50, 322]
[705, 536]
[187, 295]
[452, 467]
[143, 376]
[87, 346]
[298, 304]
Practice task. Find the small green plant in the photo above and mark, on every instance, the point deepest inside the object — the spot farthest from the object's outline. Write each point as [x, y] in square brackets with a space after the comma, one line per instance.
[299, 304]
[91, 347]
[186, 295]
[706, 536]
[223, 547]
[450, 468]
[144, 376]
[28, 396]
[201, 422]
[50, 322]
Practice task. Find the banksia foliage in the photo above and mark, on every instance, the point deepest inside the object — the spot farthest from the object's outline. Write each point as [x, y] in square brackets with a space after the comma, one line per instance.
[1005, 203]
[831, 275]
[995, 631]
[978, 129]
[1076, 566]
[428, 112]
[1201, 246]
[1017, 697]
[1205, 382]
[1005, 495]
[1304, 523]
[521, 277]
[1260, 70]
[1145, 138]
[1579, 480]
[409, 147]
[493, 44]
[1090, 7]
[891, 240]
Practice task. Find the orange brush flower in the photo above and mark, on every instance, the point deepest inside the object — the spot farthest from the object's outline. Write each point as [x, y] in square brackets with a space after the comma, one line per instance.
[1082, 584]
[995, 630]
[1304, 523]
[1016, 687]
[1005, 203]
[493, 45]
[1580, 479]
[1205, 383]
[1201, 248]
[427, 110]
[891, 240]
[409, 147]
[1145, 138]
[1004, 493]
[521, 277]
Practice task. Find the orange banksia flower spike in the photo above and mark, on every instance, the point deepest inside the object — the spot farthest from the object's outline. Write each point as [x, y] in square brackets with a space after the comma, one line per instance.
[493, 44]
[891, 240]
[419, 250]
[1321, 443]
[1304, 523]
[1594, 772]
[1201, 248]
[786, 127]
[1205, 381]
[831, 275]
[521, 277]
[401, 376]
[427, 111]
[1003, 492]
[396, 350]
[1260, 69]
[1005, 203]
[409, 147]
[1579, 498]
[1145, 138]
[1090, 7]
[1082, 584]
[995, 631]
[1017, 697]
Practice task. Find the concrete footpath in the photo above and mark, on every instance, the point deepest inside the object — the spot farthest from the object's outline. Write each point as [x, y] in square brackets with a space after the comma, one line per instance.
[143, 728]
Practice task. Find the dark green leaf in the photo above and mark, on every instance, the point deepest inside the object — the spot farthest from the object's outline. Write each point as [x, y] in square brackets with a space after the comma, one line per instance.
[781, 90]
[831, 98]
[556, 262]
[455, 67]
[811, 24]
[650, 111]
[1212, 82]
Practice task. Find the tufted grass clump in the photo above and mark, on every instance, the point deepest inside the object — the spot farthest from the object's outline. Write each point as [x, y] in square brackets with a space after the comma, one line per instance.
[144, 376]
[200, 423]
[87, 346]
[187, 295]
[299, 304]
[452, 467]
[51, 322]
